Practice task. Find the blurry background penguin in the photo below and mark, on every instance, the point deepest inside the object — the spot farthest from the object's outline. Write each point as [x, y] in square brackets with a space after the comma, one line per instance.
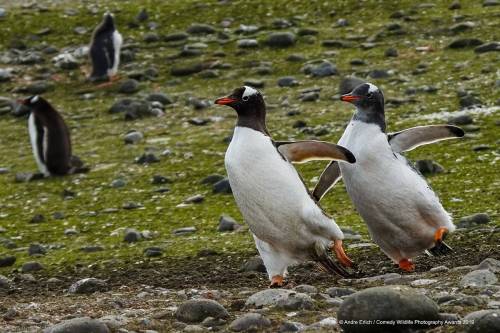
[50, 140]
[105, 50]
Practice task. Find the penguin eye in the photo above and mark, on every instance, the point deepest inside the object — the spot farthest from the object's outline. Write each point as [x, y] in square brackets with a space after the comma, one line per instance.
[245, 98]
[369, 95]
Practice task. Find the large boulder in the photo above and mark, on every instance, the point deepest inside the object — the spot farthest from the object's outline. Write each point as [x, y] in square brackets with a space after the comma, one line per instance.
[385, 304]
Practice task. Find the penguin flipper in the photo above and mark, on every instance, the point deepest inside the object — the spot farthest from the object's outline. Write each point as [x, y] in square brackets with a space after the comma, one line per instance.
[414, 137]
[308, 150]
[327, 180]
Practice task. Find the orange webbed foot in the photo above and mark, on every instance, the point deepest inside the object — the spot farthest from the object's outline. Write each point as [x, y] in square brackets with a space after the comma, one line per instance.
[406, 265]
[340, 254]
[277, 281]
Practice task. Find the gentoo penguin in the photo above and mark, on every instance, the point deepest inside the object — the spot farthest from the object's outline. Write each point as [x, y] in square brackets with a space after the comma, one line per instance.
[50, 139]
[287, 225]
[403, 214]
[105, 50]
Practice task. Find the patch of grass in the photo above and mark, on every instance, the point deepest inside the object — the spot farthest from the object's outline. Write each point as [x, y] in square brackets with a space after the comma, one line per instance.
[470, 184]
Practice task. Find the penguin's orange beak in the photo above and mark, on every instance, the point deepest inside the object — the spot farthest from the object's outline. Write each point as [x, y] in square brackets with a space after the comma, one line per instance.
[225, 100]
[21, 101]
[350, 98]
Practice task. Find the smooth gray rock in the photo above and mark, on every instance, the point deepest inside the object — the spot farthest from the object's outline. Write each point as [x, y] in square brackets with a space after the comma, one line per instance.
[196, 310]
[323, 69]
[184, 231]
[428, 167]
[133, 137]
[280, 39]
[175, 37]
[132, 235]
[386, 303]
[160, 97]
[309, 96]
[463, 43]
[153, 251]
[200, 29]
[296, 301]
[290, 326]
[489, 3]
[268, 297]
[478, 278]
[79, 325]
[473, 220]
[491, 264]
[211, 179]
[32, 266]
[281, 298]
[488, 47]
[485, 321]
[462, 26]
[305, 288]
[36, 248]
[222, 186]
[464, 119]
[340, 291]
[88, 286]
[250, 322]
[227, 223]
[5, 283]
[6, 261]
[247, 43]
[254, 264]
[129, 86]
[287, 81]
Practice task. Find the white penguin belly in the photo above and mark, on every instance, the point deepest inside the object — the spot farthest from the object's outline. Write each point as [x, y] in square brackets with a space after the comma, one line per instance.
[269, 192]
[117, 44]
[42, 167]
[401, 211]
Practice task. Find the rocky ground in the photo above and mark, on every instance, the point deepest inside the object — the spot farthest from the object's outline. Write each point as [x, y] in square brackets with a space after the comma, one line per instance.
[151, 240]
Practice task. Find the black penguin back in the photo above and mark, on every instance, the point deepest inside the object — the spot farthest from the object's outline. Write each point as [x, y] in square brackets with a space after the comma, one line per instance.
[102, 49]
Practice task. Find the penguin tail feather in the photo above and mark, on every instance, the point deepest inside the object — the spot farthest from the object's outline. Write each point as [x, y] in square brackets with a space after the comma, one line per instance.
[440, 249]
[320, 255]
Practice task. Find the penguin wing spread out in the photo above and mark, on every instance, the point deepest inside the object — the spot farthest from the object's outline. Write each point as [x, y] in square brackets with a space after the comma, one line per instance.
[411, 138]
[327, 180]
[304, 151]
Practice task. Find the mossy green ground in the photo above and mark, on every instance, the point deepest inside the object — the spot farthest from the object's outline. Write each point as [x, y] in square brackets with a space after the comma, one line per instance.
[470, 184]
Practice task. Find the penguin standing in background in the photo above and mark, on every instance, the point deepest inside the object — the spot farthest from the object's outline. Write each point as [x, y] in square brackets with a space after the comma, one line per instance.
[50, 139]
[105, 50]
[403, 214]
[287, 225]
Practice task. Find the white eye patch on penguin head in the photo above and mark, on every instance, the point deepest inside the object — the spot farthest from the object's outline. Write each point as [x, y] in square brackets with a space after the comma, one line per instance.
[248, 92]
[246, 101]
[240, 97]
[33, 99]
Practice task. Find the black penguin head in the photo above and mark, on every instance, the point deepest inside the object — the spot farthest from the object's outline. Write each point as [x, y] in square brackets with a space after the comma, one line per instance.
[108, 22]
[246, 101]
[36, 103]
[249, 104]
[369, 102]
